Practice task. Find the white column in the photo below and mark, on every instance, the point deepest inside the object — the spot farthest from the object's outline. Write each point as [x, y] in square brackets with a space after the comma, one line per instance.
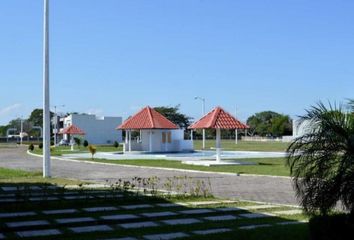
[150, 141]
[236, 136]
[126, 137]
[203, 138]
[192, 135]
[46, 112]
[218, 144]
[130, 141]
[72, 142]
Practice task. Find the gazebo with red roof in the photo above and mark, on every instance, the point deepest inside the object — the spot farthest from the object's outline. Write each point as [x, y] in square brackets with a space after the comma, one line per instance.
[72, 130]
[218, 119]
[153, 126]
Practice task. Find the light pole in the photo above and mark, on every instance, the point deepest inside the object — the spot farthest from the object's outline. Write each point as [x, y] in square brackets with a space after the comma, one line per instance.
[236, 139]
[56, 123]
[21, 132]
[46, 111]
[203, 111]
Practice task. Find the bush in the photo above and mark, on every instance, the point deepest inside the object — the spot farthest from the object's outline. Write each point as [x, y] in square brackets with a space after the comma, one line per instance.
[92, 150]
[115, 144]
[333, 227]
[31, 147]
[85, 143]
[77, 141]
[40, 145]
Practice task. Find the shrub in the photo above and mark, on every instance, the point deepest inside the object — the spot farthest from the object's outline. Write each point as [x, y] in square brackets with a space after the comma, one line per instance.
[85, 144]
[31, 147]
[334, 227]
[77, 141]
[40, 145]
[92, 150]
[115, 144]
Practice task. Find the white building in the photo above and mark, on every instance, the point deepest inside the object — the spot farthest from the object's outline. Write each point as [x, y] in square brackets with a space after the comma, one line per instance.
[98, 130]
[156, 133]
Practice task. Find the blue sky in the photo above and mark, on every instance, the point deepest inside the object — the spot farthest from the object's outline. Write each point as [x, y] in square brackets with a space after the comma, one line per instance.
[112, 57]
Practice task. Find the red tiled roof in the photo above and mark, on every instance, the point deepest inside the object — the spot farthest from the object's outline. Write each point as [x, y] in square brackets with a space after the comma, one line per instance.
[147, 118]
[72, 129]
[218, 118]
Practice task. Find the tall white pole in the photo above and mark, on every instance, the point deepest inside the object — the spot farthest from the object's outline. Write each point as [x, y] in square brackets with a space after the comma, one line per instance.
[46, 111]
[55, 125]
[236, 128]
[203, 128]
[218, 145]
[21, 133]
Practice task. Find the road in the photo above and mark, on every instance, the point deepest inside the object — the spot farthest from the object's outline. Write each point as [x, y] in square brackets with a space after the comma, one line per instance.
[256, 188]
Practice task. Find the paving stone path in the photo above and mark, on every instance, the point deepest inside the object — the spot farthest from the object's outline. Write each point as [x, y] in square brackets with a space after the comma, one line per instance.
[139, 219]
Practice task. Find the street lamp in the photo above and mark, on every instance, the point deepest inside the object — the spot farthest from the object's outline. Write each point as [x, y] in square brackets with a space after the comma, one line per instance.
[46, 111]
[203, 111]
[56, 123]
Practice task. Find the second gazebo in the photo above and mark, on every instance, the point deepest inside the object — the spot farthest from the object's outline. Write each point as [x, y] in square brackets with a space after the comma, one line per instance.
[218, 119]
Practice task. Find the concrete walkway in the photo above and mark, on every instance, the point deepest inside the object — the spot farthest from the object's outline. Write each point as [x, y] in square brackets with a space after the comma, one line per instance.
[256, 188]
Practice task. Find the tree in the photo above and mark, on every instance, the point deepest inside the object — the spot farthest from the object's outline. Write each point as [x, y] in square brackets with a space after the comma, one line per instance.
[173, 114]
[77, 141]
[270, 123]
[321, 160]
[85, 144]
[36, 117]
[115, 144]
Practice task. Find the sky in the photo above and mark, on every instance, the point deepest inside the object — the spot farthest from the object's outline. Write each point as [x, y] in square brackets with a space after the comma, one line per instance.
[113, 57]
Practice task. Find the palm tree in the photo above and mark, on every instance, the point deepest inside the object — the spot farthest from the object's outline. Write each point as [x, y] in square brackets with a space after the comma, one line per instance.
[322, 160]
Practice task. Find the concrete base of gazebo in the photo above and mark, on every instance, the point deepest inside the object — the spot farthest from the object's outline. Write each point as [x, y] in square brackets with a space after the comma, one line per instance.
[209, 163]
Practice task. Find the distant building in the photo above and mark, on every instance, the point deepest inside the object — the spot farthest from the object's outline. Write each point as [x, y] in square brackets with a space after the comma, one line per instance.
[98, 130]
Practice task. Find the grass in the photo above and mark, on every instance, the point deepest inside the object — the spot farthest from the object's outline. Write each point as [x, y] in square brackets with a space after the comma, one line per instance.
[16, 176]
[263, 166]
[243, 145]
[58, 151]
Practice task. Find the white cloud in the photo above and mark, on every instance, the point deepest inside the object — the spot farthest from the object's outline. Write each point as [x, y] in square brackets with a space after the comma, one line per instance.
[9, 109]
[95, 111]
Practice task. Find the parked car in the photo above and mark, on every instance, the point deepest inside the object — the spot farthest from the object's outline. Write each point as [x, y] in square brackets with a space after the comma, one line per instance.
[63, 142]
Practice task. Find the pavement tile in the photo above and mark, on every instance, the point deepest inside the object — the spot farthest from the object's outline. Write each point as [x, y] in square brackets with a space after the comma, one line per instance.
[167, 205]
[288, 212]
[74, 220]
[139, 224]
[166, 236]
[17, 214]
[228, 209]
[94, 228]
[181, 221]
[255, 215]
[196, 211]
[212, 231]
[250, 227]
[221, 218]
[99, 209]
[27, 223]
[158, 214]
[119, 217]
[38, 233]
[137, 206]
[59, 211]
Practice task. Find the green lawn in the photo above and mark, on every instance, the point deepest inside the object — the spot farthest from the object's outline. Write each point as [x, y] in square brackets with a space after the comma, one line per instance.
[14, 176]
[264, 166]
[58, 151]
[243, 145]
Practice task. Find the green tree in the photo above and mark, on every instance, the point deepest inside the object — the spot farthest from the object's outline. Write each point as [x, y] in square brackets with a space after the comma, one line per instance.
[77, 141]
[36, 117]
[321, 160]
[270, 123]
[85, 144]
[173, 114]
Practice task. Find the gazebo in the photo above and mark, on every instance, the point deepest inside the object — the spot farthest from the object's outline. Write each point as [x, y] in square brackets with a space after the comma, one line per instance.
[157, 133]
[72, 130]
[218, 119]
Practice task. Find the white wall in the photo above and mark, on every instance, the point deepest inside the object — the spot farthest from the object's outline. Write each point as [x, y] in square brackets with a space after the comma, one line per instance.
[98, 130]
[177, 143]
